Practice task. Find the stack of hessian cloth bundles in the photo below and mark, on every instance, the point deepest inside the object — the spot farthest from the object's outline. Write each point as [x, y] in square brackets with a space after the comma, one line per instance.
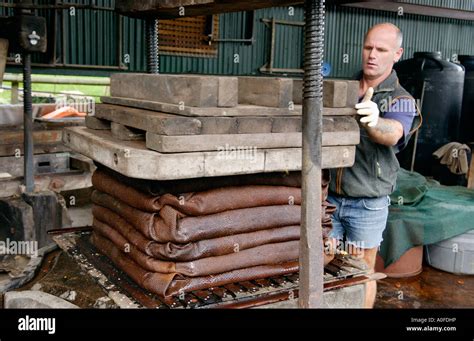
[178, 236]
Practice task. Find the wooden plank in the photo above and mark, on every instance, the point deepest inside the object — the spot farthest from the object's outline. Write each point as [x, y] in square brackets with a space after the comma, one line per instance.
[50, 163]
[197, 143]
[337, 93]
[265, 91]
[167, 9]
[254, 125]
[240, 110]
[227, 92]
[125, 133]
[219, 125]
[339, 111]
[169, 124]
[290, 158]
[184, 110]
[152, 121]
[352, 93]
[40, 136]
[287, 124]
[133, 159]
[246, 161]
[189, 90]
[334, 94]
[94, 122]
[45, 141]
[56, 124]
[45, 182]
[17, 149]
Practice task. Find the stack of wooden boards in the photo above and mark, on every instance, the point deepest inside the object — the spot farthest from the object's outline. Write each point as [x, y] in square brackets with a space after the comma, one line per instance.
[47, 135]
[232, 229]
[212, 126]
[51, 157]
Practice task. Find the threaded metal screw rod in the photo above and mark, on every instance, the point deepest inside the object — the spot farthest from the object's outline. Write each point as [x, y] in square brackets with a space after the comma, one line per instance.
[28, 125]
[153, 60]
[311, 248]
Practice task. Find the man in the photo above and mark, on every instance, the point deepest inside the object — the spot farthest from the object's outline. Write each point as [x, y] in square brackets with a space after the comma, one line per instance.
[387, 115]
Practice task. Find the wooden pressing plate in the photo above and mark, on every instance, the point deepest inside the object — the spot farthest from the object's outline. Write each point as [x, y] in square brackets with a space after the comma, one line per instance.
[133, 159]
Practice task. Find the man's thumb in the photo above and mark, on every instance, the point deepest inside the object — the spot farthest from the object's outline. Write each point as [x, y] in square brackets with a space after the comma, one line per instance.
[368, 95]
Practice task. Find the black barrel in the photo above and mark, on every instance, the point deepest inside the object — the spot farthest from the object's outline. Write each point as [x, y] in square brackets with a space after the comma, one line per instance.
[467, 116]
[438, 85]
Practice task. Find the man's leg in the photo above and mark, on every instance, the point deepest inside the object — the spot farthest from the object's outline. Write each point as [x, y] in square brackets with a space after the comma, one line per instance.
[370, 287]
[365, 223]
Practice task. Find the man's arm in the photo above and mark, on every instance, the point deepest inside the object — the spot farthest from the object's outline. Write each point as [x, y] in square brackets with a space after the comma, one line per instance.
[387, 131]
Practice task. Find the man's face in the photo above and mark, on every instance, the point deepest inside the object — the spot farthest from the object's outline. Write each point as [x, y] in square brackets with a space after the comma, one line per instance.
[380, 52]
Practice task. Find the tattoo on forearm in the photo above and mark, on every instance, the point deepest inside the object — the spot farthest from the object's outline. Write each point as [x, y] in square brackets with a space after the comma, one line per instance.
[385, 127]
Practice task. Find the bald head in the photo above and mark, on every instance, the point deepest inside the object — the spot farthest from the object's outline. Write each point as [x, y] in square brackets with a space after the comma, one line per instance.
[382, 49]
[388, 29]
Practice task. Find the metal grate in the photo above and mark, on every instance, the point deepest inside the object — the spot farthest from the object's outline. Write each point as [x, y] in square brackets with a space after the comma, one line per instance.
[342, 272]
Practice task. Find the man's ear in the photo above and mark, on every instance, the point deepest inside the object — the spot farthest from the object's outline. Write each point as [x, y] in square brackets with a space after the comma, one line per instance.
[398, 54]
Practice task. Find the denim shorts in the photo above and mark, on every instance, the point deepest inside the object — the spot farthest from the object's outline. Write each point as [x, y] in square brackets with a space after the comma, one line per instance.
[360, 220]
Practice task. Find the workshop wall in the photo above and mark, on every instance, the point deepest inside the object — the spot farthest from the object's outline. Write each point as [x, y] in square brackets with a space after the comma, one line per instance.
[90, 37]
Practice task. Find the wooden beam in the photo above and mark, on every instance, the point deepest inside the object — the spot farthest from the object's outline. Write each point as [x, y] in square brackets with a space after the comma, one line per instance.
[133, 159]
[238, 111]
[215, 142]
[182, 90]
[168, 9]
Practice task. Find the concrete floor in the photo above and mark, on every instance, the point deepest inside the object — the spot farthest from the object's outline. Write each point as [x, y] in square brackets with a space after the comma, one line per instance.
[430, 289]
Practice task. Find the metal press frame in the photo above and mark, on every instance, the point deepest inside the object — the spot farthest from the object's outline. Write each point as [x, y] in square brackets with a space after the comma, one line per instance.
[311, 248]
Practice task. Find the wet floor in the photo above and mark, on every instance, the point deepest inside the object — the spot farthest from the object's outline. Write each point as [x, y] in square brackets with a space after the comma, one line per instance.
[431, 289]
[60, 276]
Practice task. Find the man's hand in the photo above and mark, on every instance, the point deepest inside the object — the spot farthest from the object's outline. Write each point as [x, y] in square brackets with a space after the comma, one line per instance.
[380, 130]
[368, 109]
